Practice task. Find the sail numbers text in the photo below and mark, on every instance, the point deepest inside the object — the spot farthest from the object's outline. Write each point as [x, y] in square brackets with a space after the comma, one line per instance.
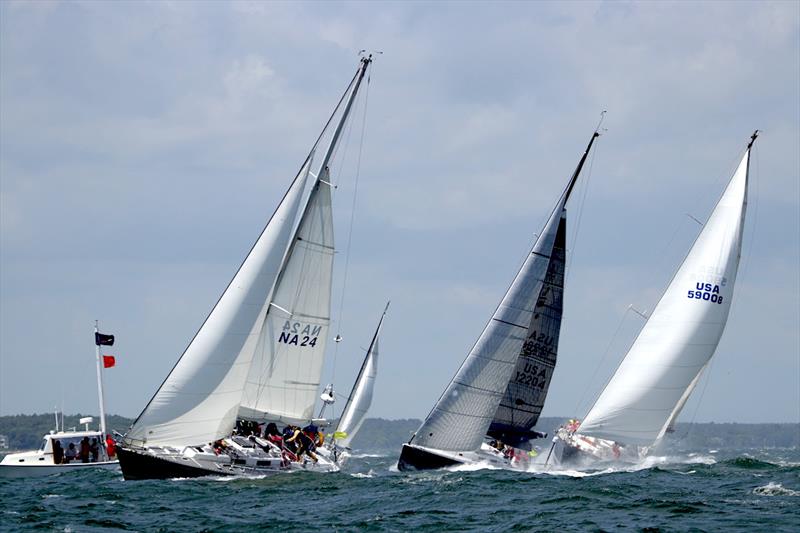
[532, 375]
[299, 334]
[706, 291]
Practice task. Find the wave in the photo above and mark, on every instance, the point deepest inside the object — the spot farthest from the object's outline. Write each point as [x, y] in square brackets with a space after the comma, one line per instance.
[361, 475]
[750, 463]
[775, 489]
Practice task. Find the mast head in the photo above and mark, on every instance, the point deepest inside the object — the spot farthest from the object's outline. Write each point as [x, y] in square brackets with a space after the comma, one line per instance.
[753, 138]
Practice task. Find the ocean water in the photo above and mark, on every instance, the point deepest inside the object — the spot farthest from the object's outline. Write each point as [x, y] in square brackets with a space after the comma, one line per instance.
[703, 490]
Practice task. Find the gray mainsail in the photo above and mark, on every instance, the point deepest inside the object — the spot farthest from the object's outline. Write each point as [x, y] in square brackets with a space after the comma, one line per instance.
[462, 417]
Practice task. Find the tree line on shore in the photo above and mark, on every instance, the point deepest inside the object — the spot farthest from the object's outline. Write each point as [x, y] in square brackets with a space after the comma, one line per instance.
[24, 432]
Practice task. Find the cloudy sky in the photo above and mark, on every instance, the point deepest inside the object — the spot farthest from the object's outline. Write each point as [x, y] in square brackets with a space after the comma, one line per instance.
[144, 144]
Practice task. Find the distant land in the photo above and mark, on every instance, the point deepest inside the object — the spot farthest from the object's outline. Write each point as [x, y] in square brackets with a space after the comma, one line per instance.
[24, 432]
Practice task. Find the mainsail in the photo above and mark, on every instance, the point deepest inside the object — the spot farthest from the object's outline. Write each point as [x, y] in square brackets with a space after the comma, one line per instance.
[361, 395]
[463, 415]
[273, 316]
[656, 376]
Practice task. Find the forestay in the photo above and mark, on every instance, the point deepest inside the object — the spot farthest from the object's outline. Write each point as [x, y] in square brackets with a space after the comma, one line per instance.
[355, 410]
[285, 372]
[198, 401]
[653, 381]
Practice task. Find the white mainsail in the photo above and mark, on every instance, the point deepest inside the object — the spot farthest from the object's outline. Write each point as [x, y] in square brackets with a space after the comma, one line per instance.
[654, 379]
[198, 401]
[355, 410]
[285, 373]
[461, 418]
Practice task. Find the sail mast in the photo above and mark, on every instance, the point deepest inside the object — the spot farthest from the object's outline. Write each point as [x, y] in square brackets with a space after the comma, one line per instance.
[578, 169]
[365, 61]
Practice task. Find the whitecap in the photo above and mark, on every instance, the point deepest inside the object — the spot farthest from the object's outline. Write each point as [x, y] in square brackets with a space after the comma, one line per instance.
[775, 489]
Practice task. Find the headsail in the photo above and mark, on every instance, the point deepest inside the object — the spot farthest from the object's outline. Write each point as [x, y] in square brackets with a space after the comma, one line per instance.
[647, 390]
[462, 416]
[355, 410]
[198, 401]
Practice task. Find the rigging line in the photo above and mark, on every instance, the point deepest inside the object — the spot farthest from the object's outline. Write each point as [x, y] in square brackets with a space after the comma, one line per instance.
[600, 363]
[350, 229]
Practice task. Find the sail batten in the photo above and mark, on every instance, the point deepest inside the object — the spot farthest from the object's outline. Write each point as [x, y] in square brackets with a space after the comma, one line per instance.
[662, 367]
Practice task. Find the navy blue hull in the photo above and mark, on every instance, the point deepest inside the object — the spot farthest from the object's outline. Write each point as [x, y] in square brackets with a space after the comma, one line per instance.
[413, 458]
[137, 465]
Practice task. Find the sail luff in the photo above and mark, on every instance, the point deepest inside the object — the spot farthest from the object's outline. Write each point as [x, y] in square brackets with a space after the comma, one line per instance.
[683, 331]
[360, 397]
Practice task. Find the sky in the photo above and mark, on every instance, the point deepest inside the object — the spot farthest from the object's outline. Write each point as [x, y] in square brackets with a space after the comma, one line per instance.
[143, 145]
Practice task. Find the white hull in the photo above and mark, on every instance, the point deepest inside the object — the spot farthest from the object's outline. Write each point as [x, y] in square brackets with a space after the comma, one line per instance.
[18, 471]
[576, 450]
[241, 458]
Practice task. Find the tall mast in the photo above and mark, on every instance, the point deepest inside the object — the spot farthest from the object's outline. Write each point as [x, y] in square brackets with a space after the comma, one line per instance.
[365, 61]
[100, 387]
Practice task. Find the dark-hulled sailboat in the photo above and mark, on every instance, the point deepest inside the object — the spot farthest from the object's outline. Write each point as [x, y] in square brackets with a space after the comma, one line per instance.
[259, 354]
[499, 391]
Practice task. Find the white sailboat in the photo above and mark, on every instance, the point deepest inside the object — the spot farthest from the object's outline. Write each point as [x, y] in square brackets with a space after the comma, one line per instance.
[258, 356]
[499, 390]
[360, 398]
[644, 397]
[61, 449]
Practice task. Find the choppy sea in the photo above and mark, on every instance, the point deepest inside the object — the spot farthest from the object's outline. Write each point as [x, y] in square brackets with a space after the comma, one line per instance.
[703, 490]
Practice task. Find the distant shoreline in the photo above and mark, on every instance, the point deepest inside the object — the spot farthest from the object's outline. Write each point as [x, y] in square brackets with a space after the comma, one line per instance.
[24, 432]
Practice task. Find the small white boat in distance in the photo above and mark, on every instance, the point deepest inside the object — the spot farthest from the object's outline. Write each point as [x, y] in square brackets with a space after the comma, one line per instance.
[68, 451]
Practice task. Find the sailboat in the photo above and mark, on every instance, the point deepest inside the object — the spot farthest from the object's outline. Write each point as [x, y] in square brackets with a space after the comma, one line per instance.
[60, 449]
[644, 397]
[360, 398]
[258, 356]
[500, 388]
